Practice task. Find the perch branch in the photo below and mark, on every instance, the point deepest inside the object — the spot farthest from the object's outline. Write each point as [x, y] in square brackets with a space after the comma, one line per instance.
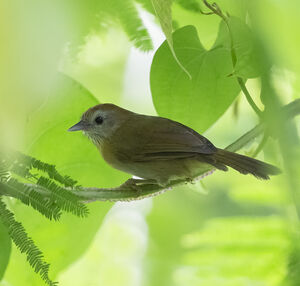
[125, 193]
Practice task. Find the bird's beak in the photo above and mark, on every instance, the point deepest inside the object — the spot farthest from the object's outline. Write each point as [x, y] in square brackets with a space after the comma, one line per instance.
[81, 125]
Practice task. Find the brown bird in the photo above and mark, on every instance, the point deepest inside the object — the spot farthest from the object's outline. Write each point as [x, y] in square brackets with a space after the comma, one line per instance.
[158, 149]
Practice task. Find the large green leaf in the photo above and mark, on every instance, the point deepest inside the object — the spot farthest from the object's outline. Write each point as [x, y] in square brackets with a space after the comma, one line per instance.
[198, 102]
[5, 244]
[62, 242]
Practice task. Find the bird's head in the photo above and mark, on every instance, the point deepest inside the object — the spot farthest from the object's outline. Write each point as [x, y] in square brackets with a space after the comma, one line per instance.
[101, 121]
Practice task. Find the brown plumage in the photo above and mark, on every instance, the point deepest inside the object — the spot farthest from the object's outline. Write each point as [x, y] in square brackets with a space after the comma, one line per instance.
[157, 148]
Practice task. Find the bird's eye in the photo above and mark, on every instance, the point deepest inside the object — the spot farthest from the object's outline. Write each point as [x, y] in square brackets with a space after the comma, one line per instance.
[99, 120]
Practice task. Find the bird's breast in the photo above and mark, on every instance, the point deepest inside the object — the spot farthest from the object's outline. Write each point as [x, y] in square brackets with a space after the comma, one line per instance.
[113, 156]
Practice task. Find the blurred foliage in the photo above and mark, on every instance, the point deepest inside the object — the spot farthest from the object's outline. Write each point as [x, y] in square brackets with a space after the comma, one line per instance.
[236, 251]
[84, 17]
[5, 249]
[243, 231]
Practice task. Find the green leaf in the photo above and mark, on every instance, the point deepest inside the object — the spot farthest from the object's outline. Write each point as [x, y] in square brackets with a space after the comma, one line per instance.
[191, 5]
[198, 102]
[237, 8]
[250, 60]
[163, 11]
[74, 155]
[5, 243]
[207, 26]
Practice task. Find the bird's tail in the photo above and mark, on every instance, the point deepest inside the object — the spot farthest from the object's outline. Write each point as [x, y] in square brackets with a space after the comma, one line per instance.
[244, 164]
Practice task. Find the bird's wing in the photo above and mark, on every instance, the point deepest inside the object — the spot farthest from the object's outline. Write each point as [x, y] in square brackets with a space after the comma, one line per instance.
[163, 139]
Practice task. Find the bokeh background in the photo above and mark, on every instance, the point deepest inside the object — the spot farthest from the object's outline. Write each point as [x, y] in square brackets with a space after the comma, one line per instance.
[60, 57]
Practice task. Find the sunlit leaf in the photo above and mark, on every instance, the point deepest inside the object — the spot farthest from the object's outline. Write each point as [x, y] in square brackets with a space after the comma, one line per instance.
[198, 102]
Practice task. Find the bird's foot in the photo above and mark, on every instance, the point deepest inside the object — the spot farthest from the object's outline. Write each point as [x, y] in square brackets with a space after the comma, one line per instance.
[190, 181]
[135, 184]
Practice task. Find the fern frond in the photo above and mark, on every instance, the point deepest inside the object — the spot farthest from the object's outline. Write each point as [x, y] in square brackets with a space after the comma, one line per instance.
[46, 196]
[126, 13]
[29, 196]
[147, 5]
[66, 200]
[25, 244]
[4, 171]
[24, 161]
[133, 25]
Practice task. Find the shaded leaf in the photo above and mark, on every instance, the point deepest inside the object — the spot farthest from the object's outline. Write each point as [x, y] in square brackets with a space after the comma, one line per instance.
[250, 60]
[192, 5]
[73, 155]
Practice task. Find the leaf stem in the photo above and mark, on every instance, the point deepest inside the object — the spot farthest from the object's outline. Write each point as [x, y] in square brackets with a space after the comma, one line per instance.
[261, 145]
[248, 97]
[216, 10]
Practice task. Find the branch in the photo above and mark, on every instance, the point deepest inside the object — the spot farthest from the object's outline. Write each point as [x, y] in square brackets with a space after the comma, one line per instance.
[148, 190]
[125, 193]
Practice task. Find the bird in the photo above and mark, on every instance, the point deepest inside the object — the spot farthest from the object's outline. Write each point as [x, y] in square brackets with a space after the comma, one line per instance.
[159, 150]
